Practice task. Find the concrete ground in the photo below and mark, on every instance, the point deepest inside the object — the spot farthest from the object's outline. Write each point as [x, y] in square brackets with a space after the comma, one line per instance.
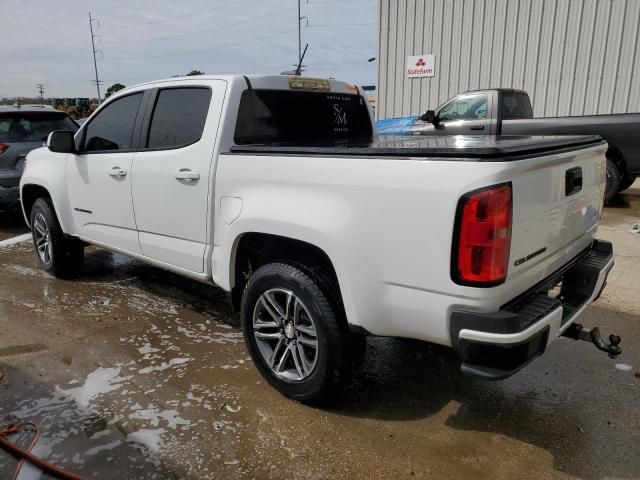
[133, 372]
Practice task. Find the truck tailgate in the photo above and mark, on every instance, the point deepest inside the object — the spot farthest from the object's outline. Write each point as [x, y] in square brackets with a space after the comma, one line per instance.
[557, 204]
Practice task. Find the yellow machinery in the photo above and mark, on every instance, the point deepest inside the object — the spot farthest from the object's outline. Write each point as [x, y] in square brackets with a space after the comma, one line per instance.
[74, 107]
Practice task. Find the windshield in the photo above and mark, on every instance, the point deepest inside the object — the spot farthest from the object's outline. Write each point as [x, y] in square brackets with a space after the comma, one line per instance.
[16, 127]
[282, 116]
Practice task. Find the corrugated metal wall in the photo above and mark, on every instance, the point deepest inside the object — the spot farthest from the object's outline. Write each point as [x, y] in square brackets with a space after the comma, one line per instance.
[574, 57]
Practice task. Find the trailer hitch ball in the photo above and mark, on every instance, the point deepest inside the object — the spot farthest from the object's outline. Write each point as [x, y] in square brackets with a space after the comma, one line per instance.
[578, 332]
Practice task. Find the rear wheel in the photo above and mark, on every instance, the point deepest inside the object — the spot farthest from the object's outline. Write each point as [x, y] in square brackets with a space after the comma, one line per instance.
[292, 333]
[61, 256]
[613, 181]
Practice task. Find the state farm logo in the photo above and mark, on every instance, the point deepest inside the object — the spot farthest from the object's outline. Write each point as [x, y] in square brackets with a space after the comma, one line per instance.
[420, 71]
[420, 65]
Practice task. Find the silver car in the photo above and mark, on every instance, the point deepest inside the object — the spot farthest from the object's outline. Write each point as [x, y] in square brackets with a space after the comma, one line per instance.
[23, 129]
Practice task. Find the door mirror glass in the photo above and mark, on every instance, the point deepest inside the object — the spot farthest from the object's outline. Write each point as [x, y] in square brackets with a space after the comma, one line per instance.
[61, 141]
[430, 116]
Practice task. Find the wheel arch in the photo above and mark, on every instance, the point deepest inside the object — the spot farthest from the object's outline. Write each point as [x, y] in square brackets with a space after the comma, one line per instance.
[251, 250]
[29, 194]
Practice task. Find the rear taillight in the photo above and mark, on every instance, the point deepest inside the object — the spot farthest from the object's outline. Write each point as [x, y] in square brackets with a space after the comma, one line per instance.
[482, 237]
[3, 148]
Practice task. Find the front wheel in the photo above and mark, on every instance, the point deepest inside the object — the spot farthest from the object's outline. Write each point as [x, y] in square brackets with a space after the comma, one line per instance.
[61, 256]
[292, 332]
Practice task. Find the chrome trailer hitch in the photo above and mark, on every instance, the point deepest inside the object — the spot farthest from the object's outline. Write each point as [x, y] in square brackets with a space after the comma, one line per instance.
[578, 332]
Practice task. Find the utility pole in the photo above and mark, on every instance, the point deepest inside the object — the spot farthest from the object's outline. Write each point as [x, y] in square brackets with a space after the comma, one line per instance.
[300, 54]
[41, 92]
[97, 81]
[299, 35]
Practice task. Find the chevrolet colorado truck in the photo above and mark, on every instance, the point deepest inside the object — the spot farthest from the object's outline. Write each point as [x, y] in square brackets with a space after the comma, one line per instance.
[501, 111]
[275, 189]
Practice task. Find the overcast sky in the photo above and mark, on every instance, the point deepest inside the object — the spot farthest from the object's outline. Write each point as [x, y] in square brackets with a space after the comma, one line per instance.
[48, 41]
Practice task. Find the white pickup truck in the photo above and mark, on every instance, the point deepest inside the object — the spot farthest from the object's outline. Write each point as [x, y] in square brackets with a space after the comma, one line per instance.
[276, 189]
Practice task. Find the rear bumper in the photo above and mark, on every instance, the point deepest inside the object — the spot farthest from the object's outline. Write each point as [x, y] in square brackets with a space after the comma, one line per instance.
[496, 345]
[9, 198]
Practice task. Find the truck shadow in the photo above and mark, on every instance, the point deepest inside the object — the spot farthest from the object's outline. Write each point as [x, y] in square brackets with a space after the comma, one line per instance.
[627, 199]
[619, 201]
[401, 379]
[103, 266]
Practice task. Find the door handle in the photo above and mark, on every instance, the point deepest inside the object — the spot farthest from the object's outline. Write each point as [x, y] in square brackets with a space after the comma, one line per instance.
[186, 174]
[477, 127]
[118, 172]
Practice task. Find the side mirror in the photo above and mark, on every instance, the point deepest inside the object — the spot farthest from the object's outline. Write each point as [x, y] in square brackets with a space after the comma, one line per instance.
[430, 116]
[61, 141]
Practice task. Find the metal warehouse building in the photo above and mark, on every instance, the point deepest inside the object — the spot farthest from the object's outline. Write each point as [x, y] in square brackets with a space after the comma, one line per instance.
[574, 57]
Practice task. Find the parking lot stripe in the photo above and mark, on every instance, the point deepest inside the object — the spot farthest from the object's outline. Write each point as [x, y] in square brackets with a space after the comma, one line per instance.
[14, 240]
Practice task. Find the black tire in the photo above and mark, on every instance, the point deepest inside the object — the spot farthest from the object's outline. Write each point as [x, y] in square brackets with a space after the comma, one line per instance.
[626, 182]
[65, 257]
[331, 364]
[613, 181]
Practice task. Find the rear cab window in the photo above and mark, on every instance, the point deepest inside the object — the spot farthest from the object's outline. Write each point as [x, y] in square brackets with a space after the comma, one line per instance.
[179, 116]
[296, 117]
[516, 105]
[17, 127]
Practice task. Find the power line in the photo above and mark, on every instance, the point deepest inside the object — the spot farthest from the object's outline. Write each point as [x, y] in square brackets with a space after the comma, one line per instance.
[341, 25]
[45, 57]
[204, 31]
[153, 22]
[204, 49]
[341, 62]
[343, 2]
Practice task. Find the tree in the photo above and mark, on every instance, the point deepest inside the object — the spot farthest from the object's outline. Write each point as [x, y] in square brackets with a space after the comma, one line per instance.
[113, 89]
[195, 72]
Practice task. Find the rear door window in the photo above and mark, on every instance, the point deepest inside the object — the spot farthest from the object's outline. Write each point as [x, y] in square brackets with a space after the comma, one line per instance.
[16, 127]
[178, 117]
[294, 117]
[112, 127]
[516, 105]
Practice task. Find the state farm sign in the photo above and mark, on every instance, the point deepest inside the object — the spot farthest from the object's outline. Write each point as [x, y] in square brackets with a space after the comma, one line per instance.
[421, 66]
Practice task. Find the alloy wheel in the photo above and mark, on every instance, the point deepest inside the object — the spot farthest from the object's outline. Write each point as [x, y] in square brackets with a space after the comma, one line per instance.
[285, 334]
[42, 238]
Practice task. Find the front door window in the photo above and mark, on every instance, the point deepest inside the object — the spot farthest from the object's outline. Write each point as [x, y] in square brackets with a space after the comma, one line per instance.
[466, 107]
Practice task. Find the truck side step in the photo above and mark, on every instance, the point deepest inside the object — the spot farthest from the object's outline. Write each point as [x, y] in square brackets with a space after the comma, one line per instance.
[578, 332]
